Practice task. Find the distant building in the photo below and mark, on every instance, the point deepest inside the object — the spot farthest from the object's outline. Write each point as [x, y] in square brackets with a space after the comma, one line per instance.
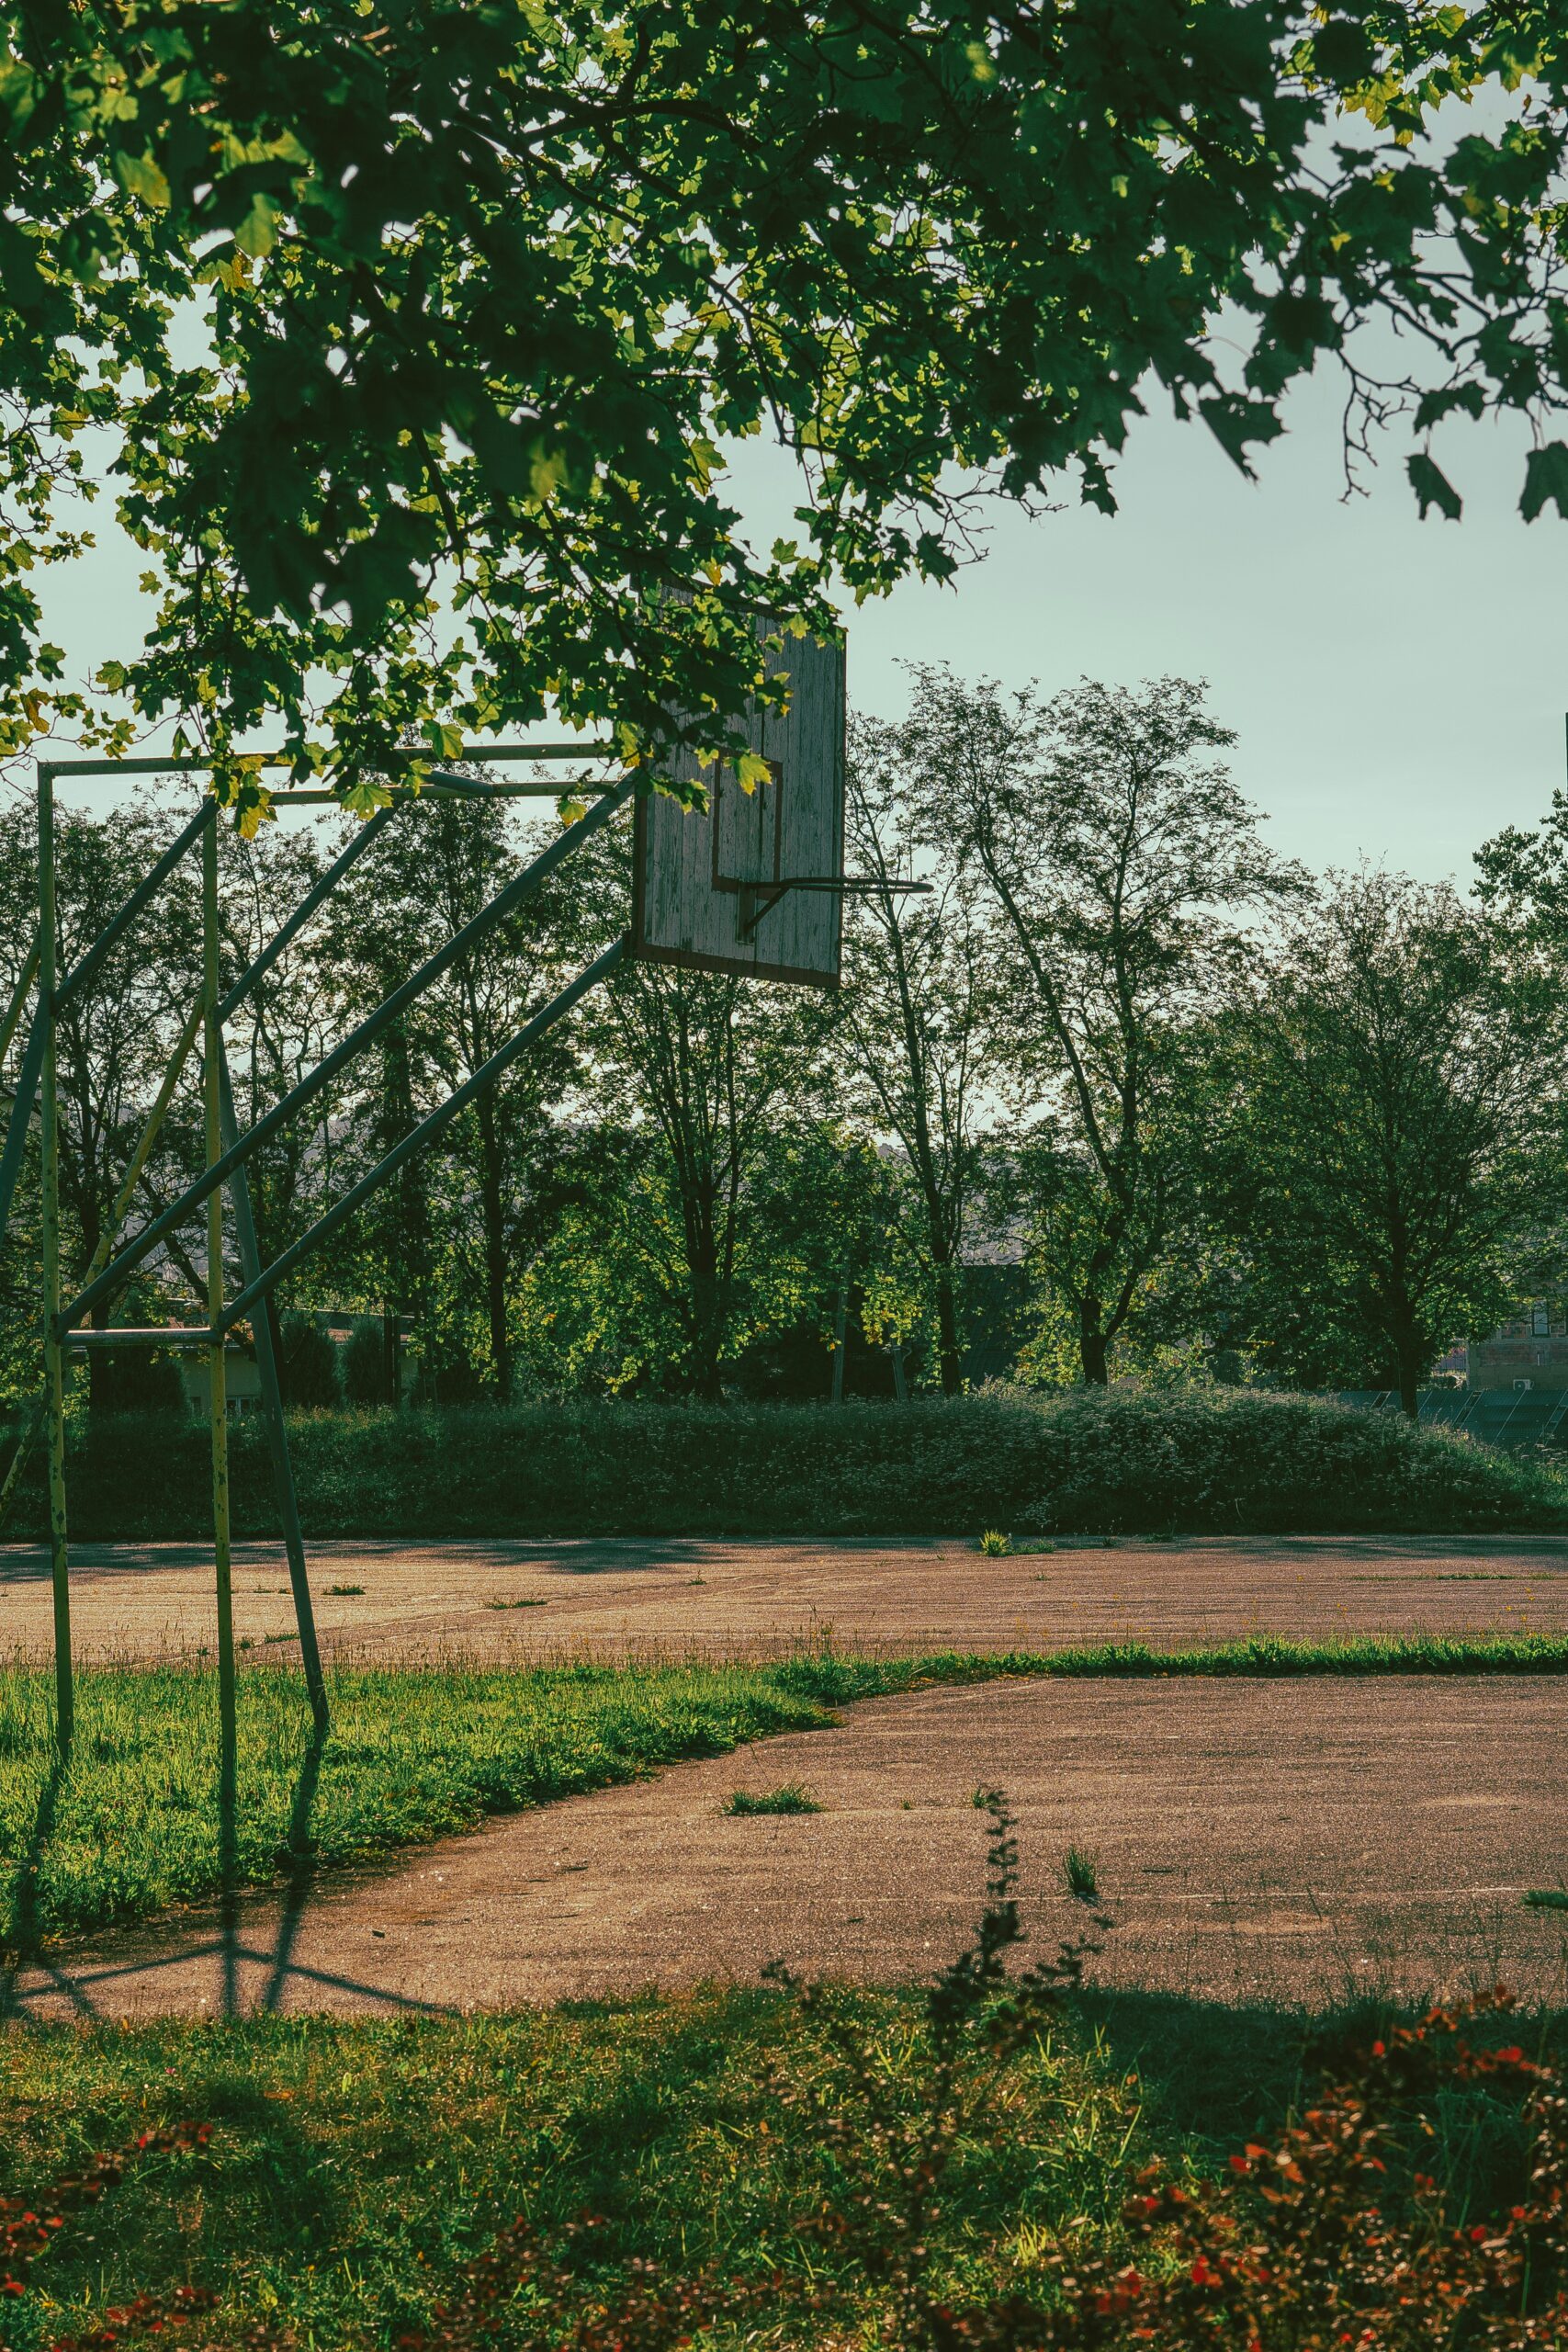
[1530, 1351]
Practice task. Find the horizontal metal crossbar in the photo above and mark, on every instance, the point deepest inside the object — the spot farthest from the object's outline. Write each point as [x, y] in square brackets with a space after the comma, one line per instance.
[520, 888]
[760, 899]
[145, 1335]
[426, 1132]
[196, 765]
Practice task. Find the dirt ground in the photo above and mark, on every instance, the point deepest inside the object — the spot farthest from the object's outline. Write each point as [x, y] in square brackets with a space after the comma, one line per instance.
[507, 1600]
[1254, 1840]
[1259, 1840]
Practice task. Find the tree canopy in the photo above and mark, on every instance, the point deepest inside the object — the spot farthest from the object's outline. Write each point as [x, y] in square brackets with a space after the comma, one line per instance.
[416, 331]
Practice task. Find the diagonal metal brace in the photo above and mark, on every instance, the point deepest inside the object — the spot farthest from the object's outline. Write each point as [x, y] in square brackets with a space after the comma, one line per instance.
[519, 888]
[262, 1285]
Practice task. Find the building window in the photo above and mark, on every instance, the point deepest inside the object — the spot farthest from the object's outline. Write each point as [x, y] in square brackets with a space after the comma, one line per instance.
[1541, 1322]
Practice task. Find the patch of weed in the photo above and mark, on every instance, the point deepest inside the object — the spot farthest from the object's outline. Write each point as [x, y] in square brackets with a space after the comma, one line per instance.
[422, 1752]
[1082, 1875]
[790, 1796]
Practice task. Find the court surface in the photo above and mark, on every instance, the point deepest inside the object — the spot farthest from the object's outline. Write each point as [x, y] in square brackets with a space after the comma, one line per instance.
[507, 1600]
[1256, 1839]
[1260, 1842]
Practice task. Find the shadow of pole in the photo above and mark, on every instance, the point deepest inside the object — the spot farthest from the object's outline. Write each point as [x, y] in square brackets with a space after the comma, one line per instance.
[25, 1944]
[301, 1873]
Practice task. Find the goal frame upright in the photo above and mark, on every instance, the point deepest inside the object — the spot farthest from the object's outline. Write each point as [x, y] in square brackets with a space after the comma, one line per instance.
[717, 873]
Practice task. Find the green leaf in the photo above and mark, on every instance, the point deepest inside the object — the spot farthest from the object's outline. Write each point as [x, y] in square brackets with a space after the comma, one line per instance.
[1546, 478]
[1433, 488]
[143, 176]
[18, 92]
[257, 233]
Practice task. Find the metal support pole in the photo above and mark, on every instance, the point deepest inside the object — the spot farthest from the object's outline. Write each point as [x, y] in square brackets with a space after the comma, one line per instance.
[53, 1353]
[272, 1405]
[212, 1098]
[519, 888]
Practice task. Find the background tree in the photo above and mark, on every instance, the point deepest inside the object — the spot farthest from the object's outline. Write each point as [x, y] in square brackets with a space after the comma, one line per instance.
[1396, 1149]
[919, 1013]
[695, 1078]
[113, 1040]
[1120, 868]
[467, 1221]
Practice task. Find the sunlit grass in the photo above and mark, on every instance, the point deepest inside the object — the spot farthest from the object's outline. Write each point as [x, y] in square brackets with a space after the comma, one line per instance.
[415, 1753]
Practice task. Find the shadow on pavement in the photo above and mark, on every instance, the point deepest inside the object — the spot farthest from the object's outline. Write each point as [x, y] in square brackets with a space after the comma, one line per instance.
[31, 1984]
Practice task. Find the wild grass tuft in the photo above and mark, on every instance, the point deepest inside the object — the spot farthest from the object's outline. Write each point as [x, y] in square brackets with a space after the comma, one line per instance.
[1082, 1875]
[790, 1796]
[994, 1545]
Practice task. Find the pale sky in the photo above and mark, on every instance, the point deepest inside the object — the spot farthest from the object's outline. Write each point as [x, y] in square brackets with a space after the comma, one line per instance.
[1398, 688]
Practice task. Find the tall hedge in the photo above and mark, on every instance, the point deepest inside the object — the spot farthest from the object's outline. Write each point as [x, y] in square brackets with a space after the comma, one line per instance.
[1225, 1462]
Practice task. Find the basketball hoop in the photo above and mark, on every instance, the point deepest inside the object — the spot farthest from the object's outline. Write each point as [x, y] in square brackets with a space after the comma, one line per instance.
[754, 883]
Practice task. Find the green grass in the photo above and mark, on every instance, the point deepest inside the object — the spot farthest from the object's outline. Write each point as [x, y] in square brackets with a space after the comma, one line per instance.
[790, 1796]
[1209, 1461]
[420, 1753]
[355, 2166]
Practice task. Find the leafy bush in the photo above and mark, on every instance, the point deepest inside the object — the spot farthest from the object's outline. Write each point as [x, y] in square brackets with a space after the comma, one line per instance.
[1202, 1460]
[309, 1371]
[138, 1380]
[365, 1366]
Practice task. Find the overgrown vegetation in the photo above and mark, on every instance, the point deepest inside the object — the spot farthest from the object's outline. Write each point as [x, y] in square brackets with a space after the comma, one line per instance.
[417, 1753]
[1151, 1461]
[973, 2163]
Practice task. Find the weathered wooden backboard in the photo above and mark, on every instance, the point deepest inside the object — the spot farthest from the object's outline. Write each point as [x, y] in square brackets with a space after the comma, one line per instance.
[710, 888]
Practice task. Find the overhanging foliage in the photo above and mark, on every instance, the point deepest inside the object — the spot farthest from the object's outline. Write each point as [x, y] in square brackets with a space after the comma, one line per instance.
[483, 287]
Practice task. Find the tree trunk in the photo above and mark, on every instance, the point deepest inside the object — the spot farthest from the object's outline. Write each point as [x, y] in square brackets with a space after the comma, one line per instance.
[707, 1334]
[1410, 1382]
[1094, 1349]
[949, 1360]
[493, 1213]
